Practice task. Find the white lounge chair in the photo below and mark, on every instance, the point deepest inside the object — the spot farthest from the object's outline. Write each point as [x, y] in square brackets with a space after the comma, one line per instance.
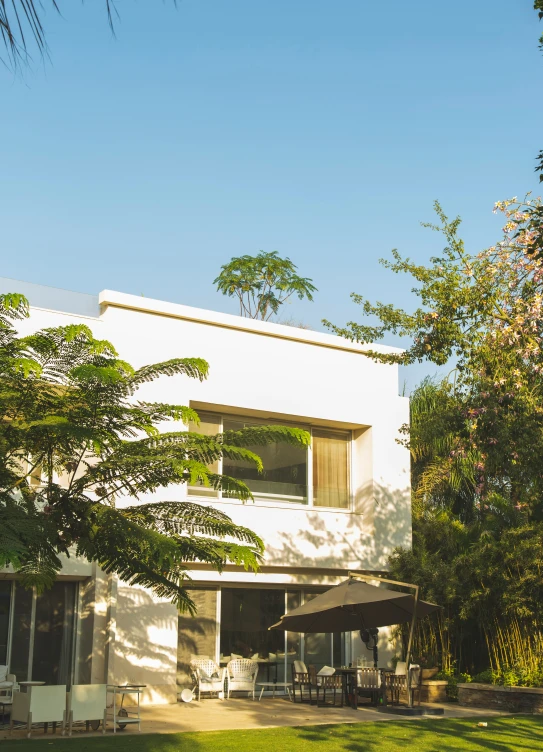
[86, 702]
[8, 685]
[241, 676]
[208, 677]
[39, 705]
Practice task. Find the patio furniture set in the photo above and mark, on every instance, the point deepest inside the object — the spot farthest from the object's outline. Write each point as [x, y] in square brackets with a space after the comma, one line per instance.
[239, 675]
[381, 686]
[346, 684]
[32, 702]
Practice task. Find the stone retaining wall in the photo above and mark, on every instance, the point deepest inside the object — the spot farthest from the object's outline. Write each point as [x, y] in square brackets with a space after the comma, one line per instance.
[433, 690]
[513, 699]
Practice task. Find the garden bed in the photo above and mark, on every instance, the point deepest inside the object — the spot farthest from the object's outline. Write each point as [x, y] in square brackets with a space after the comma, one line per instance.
[492, 696]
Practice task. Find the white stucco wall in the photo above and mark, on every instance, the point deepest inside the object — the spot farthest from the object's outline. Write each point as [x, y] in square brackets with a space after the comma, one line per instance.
[266, 370]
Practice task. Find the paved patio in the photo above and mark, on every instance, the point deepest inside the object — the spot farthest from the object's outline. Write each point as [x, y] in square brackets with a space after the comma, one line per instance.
[242, 713]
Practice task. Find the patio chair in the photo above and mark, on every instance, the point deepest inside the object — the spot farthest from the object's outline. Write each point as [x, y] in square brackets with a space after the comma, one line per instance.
[208, 677]
[8, 685]
[300, 678]
[396, 683]
[39, 705]
[368, 684]
[241, 675]
[86, 702]
[328, 681]
[415, 680]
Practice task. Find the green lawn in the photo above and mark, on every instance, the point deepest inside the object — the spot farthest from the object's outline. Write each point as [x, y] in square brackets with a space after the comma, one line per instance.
[504, 734]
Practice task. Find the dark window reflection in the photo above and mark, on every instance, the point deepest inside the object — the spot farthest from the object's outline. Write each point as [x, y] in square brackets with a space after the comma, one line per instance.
[246, 615]
[20, 644]
[53, 636]
[285, 468]
[5, 599]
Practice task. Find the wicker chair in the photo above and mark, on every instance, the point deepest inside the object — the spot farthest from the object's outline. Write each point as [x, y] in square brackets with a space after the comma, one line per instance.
[208, 677]
[241, 674]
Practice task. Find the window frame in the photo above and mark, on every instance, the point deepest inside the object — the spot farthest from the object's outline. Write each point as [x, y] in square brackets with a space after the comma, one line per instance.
[277, 499]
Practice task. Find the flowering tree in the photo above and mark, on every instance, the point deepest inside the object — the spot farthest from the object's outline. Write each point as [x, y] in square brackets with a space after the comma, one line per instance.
[483, 314]
[476, 442]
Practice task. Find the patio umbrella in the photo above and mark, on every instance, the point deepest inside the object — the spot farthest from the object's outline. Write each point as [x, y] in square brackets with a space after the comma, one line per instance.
[354, 605]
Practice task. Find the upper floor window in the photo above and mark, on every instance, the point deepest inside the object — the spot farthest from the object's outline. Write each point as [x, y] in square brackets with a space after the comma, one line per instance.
[318, 476]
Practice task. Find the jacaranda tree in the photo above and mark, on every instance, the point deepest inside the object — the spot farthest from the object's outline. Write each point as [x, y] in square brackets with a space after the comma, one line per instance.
[77, 449]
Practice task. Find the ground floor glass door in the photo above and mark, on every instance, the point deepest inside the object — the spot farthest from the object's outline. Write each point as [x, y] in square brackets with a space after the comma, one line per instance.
[5, 601]
[245, 617]
[42, 633]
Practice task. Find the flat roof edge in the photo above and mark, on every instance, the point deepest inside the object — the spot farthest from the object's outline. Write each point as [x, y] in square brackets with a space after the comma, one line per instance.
[115, 299]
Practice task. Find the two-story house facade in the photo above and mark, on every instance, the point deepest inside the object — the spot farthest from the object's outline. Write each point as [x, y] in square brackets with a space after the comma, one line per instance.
[343, 504]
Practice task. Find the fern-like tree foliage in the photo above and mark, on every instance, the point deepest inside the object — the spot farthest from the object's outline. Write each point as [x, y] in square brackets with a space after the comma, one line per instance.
[262, 284]
[78, 450]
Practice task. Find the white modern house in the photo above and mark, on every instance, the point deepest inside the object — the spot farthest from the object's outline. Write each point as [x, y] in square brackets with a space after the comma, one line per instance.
[341, 505]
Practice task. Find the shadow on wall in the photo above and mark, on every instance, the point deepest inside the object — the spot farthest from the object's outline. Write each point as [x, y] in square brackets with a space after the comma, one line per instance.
[368, 540]
[197, 635]
[137, 642]
[145, 639]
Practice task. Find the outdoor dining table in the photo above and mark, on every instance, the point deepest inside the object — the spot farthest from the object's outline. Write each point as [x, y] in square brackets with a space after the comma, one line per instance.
[350, 685]
[24, 685]
[273, 685]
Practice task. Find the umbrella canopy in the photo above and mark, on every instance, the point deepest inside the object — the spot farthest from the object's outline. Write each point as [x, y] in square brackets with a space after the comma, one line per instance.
[353, 605]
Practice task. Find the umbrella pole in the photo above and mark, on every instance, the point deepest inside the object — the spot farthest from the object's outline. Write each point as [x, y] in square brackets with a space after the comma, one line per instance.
[409, 647]
[369, 578]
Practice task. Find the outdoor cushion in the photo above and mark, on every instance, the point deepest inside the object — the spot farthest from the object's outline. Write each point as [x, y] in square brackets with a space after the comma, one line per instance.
[326, 671]
[209, 676]
[3, 673]
[300, 667]
[235, 656]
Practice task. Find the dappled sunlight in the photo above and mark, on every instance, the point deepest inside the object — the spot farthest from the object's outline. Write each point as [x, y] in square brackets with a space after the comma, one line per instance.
[354, 541]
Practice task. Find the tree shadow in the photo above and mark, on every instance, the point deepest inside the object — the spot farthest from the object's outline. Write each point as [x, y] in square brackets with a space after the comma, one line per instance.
[360, 541]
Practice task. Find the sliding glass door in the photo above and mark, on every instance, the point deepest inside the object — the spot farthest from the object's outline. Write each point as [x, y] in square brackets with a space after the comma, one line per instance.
[245, 617]
[5, 608]
[53, 634]
[246, 614]
[42, 633]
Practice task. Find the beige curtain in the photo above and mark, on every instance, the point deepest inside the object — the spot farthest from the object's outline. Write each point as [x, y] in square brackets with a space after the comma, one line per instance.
[331, 469]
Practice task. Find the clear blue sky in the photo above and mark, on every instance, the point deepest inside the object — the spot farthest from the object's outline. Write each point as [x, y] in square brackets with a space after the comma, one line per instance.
[323, 129]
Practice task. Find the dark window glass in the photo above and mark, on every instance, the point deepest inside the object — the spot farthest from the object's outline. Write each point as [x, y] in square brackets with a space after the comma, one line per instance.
[20, 643]
[294, 639]
[285, 468]
[318, 647]
[246, 615]
[338, 643]
[5, 601]
[53, 636]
